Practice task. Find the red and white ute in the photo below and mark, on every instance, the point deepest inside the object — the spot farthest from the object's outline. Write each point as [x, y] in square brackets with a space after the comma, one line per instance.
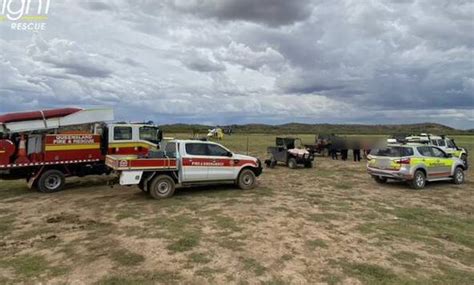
[185, 163]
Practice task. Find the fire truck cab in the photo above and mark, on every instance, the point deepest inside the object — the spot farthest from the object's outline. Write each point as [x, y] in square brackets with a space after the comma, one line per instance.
[44, 147]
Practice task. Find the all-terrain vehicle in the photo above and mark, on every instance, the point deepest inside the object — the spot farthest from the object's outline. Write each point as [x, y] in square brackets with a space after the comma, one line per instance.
[289, 151]
[321, 145]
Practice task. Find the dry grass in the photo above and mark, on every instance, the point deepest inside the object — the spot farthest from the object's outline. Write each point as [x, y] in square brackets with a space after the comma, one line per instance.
[330, 224]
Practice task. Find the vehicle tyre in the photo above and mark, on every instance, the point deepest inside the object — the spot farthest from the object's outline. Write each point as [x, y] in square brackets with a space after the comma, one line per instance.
[273, 163]
[51, 181]
[292, 163]
[458, 177]
[141, 185]
[380, 180]
[308, 164]
[419, 180]
[464, 158]
[161, 187]
[246, 179]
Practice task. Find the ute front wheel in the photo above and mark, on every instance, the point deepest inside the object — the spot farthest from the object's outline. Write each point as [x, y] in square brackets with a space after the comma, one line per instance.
[246, 179]
[161, 187]
[51, 181]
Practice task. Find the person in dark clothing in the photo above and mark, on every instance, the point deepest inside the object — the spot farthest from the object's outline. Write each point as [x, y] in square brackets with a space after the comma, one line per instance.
[333, 151]
[344, 153]
[356, 154]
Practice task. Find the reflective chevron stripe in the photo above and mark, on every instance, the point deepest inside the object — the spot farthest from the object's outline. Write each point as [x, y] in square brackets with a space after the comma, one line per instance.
[16, 165]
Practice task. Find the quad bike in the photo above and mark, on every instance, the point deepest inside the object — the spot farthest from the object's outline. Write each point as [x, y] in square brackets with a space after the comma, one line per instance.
[289, 151]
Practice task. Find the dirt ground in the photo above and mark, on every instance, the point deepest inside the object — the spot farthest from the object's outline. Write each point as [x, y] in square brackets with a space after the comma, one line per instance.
[327, 225]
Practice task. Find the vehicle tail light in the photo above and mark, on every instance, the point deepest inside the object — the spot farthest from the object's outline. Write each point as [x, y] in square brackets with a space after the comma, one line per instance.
[403, 161]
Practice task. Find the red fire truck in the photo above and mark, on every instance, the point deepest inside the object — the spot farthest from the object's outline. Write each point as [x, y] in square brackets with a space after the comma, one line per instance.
[46, 146]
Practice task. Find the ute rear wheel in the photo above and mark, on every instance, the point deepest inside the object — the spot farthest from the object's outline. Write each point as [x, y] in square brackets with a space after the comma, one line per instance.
[161, 187]
[246, 179]
[419, 180]
[458, 177]
[51, 181]
[292, 163]
[380, 180]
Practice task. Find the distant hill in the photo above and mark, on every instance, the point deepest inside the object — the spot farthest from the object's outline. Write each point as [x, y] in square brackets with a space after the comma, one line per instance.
[298, 128]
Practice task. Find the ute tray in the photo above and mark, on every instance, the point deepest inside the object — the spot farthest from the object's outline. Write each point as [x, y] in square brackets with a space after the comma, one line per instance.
[133, 162]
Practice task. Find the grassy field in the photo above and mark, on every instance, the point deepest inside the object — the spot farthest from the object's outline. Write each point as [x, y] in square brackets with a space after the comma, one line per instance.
[329, 225]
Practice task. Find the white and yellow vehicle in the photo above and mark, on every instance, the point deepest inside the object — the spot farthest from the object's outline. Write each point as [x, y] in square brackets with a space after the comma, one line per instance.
[443, 142]
[414, 163]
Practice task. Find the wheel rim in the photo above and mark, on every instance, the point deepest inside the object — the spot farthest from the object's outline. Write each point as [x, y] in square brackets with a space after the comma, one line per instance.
[53, 182]
[419, 180]
[163, 187]
[459, 176]
[247, 179]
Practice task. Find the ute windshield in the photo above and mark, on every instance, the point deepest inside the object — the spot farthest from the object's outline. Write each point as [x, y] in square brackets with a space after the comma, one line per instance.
[151, 134]
[393, 151]
[298, 144]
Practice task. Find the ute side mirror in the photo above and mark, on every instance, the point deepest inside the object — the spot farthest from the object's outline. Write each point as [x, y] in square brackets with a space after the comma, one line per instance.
[449, 155]
[230, 154]
[160, 135]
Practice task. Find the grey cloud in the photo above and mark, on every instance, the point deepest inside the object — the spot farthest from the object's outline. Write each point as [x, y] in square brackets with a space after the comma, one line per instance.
[68, 56]
[96, 5]
[273, 13]
[240, 54]
[199, 61]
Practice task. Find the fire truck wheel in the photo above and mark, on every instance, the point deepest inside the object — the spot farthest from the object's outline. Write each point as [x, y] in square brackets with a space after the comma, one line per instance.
[141, 186]
[162, 187]
[246, 179]
[292, 163]
[51, 181]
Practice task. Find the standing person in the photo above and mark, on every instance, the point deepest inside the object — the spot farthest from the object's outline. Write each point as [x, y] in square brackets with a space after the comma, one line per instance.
[333, 152]
[344, 153]
[356, 154]
[344, 149]
[356, 145]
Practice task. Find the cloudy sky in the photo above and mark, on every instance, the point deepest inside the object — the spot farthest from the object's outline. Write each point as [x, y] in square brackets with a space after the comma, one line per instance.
[248, 61]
